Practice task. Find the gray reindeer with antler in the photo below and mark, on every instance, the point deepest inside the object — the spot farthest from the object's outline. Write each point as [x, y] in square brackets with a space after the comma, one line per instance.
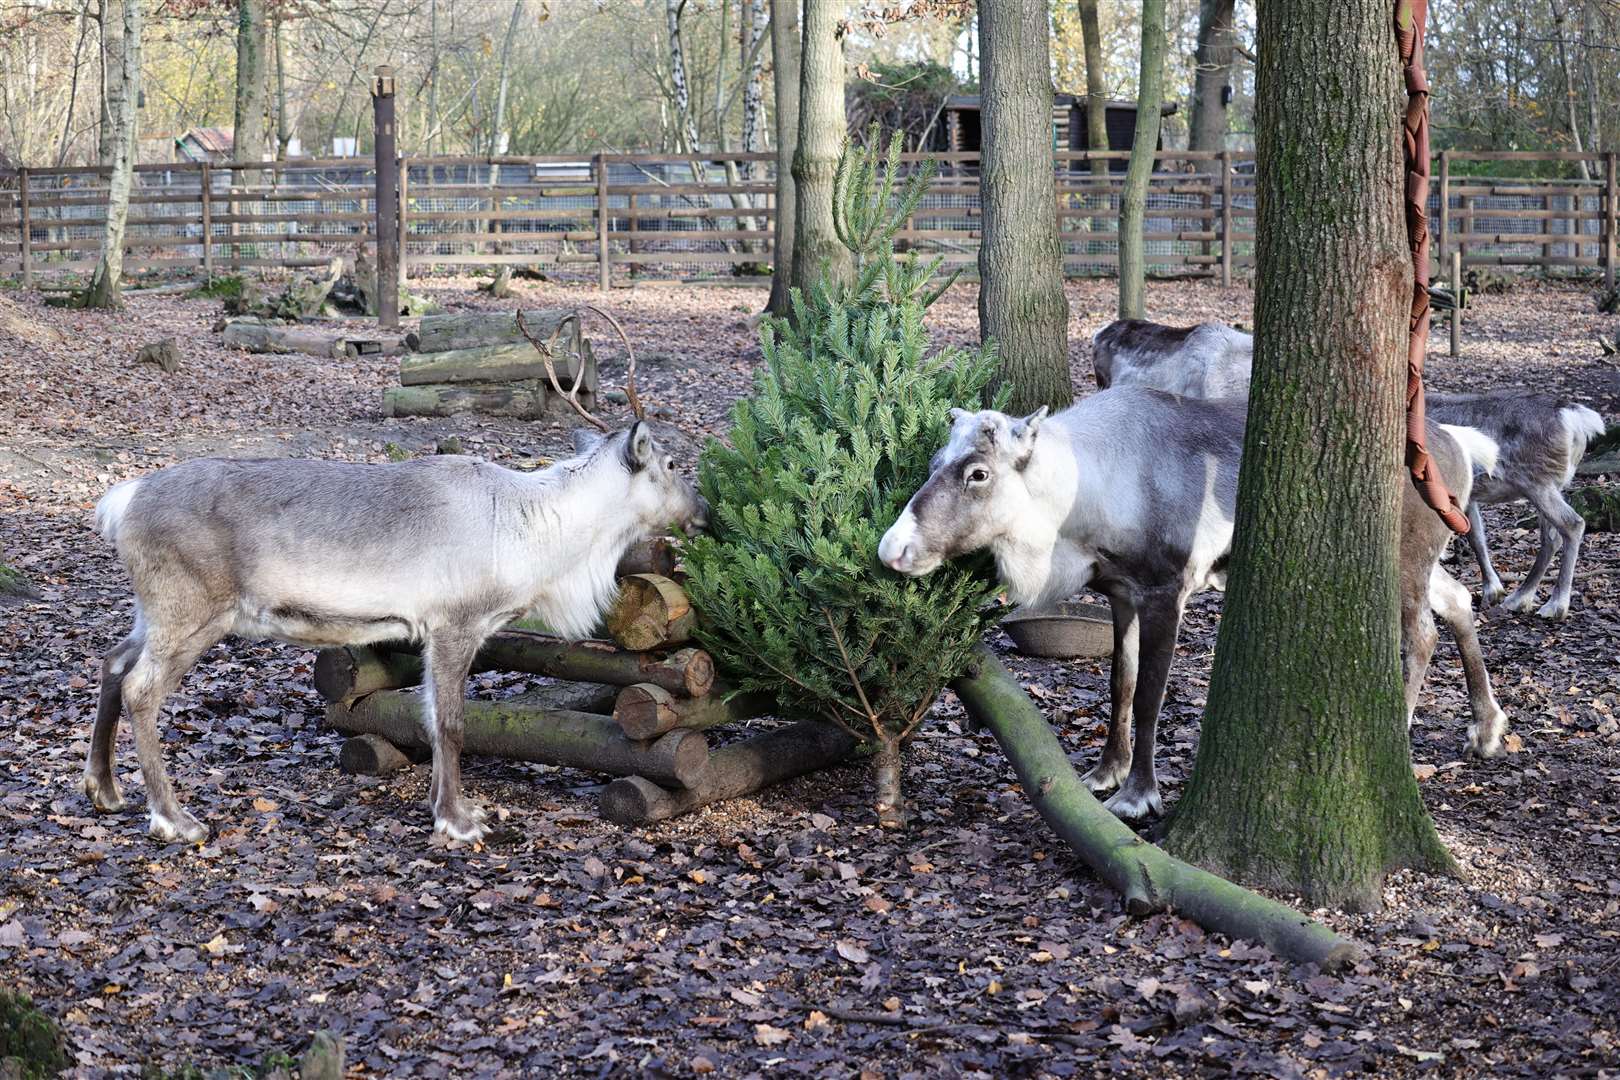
[442, 550]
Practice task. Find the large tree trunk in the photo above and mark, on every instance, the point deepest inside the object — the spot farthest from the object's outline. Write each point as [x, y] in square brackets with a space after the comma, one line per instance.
[1303, 780]
[103, 291]
[1133, 199]
[1096, 86]
[785, 42]
[251, 39]
[1212, 74]
[821, 138]
[1021, 301]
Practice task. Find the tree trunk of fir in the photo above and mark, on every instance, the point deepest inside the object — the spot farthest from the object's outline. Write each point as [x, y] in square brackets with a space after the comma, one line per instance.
[1096, 86]
[889, 799]
[251, 39]
[103, 291]
[821, 139]
[1303, 780]
[1021, 301]
[1212, 74]
[1133, 199]
[785, 42]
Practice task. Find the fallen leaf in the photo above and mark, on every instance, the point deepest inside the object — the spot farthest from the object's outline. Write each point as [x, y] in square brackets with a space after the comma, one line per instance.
[766, 1035]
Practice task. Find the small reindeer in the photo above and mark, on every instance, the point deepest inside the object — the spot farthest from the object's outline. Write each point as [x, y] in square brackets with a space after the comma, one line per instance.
[442, 550]
[1132, 492]
[1541, 437]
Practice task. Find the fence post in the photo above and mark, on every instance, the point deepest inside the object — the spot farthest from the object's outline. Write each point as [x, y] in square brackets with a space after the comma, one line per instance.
[603, 272]
[1226, 218]
[27, 239]
[1445, 212]
[387, 206]
[1456, 309]
[635, 228]
[404, 221]
[207, 221]
[1611, 214]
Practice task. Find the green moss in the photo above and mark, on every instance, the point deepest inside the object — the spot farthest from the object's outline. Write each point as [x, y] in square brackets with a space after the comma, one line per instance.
[226, 287]
[31, 1045]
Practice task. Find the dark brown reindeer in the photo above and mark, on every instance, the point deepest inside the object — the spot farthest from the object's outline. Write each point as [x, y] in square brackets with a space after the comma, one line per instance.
[442, 550]
[1131, 492]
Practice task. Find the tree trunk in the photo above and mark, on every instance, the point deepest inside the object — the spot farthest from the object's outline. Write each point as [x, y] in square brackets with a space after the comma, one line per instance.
[251, 39]
[685, 127]
[434, 122]
[496, 144]
[785, 43]
[112, 79]
[1133, 199]
[1096, 85]
[1303, 780]
[284, 131]
[105, 283]
[1568, 68]
[469, 330]
[816, 247]
[1212, 75]
[888, 796]
[524, 400]
[1022, 305]
[1144, 875]
[489, 363]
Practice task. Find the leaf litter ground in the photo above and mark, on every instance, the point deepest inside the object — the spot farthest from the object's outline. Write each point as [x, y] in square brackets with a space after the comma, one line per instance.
[777, 935]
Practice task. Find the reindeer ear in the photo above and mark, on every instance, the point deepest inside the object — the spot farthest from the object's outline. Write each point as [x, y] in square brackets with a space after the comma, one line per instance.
[1024, 432]
[638, 447]
[585, 441]
[959, 414]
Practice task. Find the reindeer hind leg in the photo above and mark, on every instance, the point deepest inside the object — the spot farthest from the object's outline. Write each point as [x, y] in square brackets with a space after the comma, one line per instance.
[100, 781]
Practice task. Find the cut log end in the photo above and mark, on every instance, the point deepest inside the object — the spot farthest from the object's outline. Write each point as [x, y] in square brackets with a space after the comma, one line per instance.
[652, 611]
[371, 755]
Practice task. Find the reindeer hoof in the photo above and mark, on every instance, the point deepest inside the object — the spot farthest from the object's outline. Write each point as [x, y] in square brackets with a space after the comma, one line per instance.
[1131, 804]
[182, 827]
[1105, 776]
[1491, 595]
[102, 792]
[463, 823]
[1519, 602]
[1485, 740]
[1555, 609]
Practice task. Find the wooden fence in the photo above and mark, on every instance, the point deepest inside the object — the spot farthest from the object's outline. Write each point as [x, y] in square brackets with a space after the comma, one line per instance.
[624, 218]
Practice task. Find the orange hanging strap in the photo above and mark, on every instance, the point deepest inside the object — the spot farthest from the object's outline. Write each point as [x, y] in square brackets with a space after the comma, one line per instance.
[1410, 19]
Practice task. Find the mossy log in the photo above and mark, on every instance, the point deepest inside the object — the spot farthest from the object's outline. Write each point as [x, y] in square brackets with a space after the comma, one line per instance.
[739, 769]
[525, 400]
[261, 336]
[474, 329]
[346, 673]
[521, 732]
[1148, 878]
[645, 711]
[651, 612]
[516, 360]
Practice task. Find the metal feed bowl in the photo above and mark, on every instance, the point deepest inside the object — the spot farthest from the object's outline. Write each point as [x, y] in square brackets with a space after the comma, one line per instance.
[1074, 630]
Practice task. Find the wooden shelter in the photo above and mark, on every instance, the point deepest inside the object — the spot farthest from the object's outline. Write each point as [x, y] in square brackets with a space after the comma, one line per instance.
[961, 132]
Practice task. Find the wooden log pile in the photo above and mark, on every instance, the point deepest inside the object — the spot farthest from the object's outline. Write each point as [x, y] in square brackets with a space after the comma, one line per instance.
[637, 707]
[480, 362]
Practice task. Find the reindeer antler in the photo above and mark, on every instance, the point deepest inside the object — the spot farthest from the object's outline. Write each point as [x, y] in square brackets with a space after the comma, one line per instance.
[630, 373]
[547, 356]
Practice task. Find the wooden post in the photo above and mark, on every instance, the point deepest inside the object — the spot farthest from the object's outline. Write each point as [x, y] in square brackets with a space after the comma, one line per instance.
[387, 169]
[1548, 208]
[1611, 214]
[603, 272]
[207, 221]
[635, 228]
[27, 229]
[404, 220]
[1467, 225]
[1226, 218]
[1457, 295]
[1445, 213]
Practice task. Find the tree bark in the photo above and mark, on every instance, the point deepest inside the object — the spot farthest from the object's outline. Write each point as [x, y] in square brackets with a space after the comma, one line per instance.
[739, 769]
[251, 39]
[496, 144]
[526, 401]
[785, 44]
[1096, 86]
[686, 138]
[817, 252]
[1567, 66]
[284, 132]
[488, 363]
[470, 330]
[1303, 780]
[1212, 75]
[646, 711]
[1144, 875]
[105, 283]
[1022, 306]
[111, 22]
[1133, 198]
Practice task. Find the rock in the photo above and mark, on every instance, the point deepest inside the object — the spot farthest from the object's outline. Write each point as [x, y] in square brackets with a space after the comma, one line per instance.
[324, 1058]
[165, 354]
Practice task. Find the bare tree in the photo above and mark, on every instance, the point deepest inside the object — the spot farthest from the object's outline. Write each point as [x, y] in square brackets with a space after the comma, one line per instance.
[686, 127]
[251, 39]
[1211, 78]
[816, 247]
[498, 124]
[785, 45]
[1096, 86]
[103, 291]
[1133, 199]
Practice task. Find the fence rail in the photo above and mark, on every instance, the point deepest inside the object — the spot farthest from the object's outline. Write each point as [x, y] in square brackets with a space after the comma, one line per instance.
[633, 217]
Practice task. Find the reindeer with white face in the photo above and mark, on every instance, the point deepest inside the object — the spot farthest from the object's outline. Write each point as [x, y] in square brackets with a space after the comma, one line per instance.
[1132, 492]
[441, 550]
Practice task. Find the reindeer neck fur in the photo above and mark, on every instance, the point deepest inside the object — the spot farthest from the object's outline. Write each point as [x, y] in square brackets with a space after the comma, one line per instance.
[572, 535]
[1036, 561]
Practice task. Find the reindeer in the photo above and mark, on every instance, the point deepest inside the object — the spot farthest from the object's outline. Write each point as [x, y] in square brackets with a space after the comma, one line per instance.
[1132, 491]
[442, 550]
[1541, 438]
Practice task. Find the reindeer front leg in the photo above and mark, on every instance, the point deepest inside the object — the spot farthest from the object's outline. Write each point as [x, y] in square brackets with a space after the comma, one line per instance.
[1116, 756]
[1159, 619]
[449, 656]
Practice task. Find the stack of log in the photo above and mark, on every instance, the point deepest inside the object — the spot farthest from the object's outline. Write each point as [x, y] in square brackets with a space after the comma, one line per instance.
[482, 362]
[636, 707]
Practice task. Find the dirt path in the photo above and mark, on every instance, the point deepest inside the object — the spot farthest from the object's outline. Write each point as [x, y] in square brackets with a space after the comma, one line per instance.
[777, 935]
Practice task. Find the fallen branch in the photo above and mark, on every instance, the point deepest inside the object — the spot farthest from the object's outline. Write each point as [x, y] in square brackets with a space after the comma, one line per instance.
[1148, 878]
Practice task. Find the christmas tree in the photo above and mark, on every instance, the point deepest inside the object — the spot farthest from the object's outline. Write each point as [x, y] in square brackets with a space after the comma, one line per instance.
[849, 408]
